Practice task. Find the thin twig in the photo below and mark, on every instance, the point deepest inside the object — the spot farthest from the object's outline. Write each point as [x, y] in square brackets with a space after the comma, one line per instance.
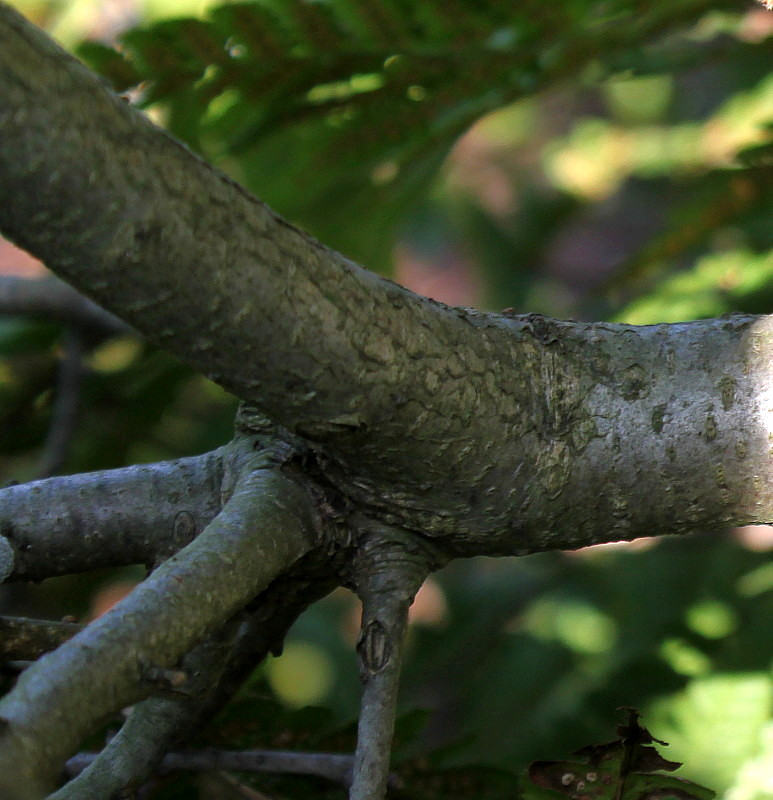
[332, 766]
[52, 298]
[66, 404]
[243, 791]
[27, 639]
[380, 651]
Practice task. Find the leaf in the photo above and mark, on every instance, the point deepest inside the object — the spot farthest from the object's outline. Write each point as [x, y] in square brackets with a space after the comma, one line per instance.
[626, 769]
[121, 73]
[361, 102]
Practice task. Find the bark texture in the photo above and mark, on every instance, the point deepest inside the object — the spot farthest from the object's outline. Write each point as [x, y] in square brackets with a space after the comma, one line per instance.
[367, 408]
[513, 423]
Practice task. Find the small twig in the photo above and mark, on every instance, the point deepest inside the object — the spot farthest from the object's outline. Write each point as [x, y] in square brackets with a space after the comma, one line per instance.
[28, 639]
[65, 412]
[54, 299]
[332, 766]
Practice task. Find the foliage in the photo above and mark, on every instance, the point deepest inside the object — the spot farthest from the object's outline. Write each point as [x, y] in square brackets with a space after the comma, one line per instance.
[615, 161]
[627, 768]
[370, 97]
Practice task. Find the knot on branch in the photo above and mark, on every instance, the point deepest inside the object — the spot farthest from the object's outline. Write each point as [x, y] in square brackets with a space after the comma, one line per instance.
[374, 647]
[250, 420]
[391, 562]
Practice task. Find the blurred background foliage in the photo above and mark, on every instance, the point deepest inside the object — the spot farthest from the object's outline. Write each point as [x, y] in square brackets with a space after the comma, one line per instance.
[591, 159]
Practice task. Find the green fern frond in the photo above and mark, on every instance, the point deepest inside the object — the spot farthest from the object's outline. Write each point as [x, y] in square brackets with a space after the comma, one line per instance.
[375, 92]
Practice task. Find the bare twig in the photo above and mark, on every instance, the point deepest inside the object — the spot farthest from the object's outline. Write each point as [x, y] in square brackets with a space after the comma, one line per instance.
[331, 766]
[65, 412]
[52, 298]
[241, 790]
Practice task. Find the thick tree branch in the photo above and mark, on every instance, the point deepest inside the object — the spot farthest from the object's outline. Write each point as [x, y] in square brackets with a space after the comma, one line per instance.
[266, 526]
[514, 423]
[133, 515]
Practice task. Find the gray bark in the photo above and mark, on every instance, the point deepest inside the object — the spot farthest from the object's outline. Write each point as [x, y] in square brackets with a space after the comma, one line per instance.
[480, 433]
[513, 423]
[135, 515]
[265, 527]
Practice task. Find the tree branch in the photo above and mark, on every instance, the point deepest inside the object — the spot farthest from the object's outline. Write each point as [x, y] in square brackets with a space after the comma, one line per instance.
[23, 639]
[158, 723]
[267, 524]
[389, 568]
[513, 422]
[331, 766]
[140, 514]
[132, 755]
[51, 298]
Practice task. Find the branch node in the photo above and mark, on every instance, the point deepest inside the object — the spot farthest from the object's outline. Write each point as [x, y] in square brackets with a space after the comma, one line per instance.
[170, 679]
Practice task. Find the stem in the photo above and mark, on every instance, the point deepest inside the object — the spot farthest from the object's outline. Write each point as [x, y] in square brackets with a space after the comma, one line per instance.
[65, 412]
[266, 526]
[390, 567]
[380, 649]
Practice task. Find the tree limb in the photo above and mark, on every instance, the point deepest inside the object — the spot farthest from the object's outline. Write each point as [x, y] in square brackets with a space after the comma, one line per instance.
[514, 423]
[23, 639]
[267, 525]
[132, 755]
[159, 723]
[133, 515]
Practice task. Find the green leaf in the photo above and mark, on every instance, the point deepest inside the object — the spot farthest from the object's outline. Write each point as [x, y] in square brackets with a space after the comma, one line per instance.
[361, 102]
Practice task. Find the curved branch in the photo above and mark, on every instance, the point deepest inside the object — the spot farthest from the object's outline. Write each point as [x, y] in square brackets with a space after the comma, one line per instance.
[134, 515]
[514, 423]
[266, 526]
[131, 756]
[158, 723]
